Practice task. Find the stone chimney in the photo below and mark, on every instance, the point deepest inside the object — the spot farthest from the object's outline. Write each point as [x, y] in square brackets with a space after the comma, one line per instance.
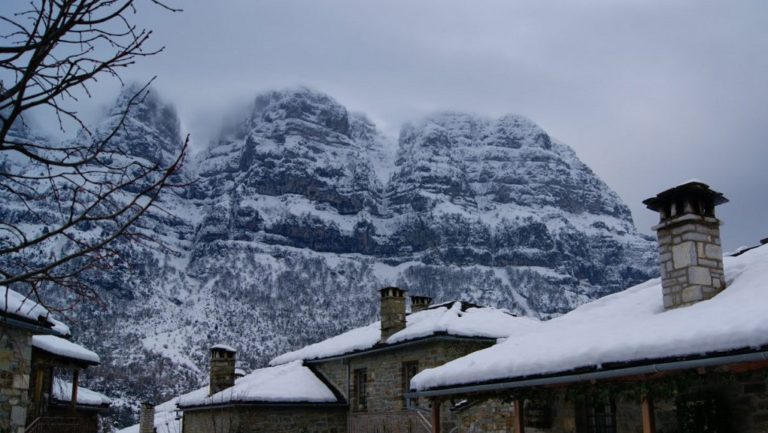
[392, 311]
[420, 303]
[147, 418]
[222, 368]
[690, 255]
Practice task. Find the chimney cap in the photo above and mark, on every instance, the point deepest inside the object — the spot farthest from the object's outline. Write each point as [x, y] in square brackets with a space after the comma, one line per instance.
[419, 299]
[223, 348]
[392, 292]
[687, 189]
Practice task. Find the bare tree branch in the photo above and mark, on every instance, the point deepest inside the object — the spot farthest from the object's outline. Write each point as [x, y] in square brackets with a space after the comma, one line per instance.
[63, 206]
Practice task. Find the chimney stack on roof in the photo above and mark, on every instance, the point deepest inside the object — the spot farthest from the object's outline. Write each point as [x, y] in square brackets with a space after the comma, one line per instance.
[690, 255]
[147, 418]
[222, 368]
[420, 303]
[392, 311]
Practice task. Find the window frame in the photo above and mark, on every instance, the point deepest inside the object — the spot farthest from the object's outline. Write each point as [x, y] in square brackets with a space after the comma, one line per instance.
[360, 389]
[407, 367]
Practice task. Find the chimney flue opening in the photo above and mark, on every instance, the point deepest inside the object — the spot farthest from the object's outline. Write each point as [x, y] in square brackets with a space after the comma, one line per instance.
[222, 374]
[420, 303]
[392, 311]
[690, 254]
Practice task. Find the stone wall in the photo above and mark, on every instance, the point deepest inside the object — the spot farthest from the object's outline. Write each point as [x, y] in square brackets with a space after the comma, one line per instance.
[253, 419]
[15, 367]
[485, 416]
[386, 382]
[691, 260]
[741, 403]
[336, 373]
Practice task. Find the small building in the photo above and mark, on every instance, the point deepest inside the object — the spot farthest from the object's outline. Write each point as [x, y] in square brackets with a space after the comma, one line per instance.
[372, 366]
[354, 382]
[285, 398]
[687, 352]
[34, 353]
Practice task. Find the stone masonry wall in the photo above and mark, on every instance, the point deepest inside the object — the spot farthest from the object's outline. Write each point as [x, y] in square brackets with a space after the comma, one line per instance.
[742, 404]
[336, 373]
[245, 419]
[15, 365]
[691, 260]
[385, 379]
[487, 416]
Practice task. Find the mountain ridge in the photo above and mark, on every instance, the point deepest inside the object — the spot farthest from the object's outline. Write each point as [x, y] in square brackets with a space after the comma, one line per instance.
[297, 215]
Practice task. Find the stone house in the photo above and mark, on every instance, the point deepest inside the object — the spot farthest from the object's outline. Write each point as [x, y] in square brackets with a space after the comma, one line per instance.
[354, 382]
[680, 354]
[34, 351]
[285, 398]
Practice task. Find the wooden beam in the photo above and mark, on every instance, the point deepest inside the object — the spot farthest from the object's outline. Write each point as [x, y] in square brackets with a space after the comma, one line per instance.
[75, 377]
[436, 416]
[519, 424]
[649, 417]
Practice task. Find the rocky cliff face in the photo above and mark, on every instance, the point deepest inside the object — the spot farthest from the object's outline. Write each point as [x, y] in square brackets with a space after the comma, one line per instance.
[298, 215]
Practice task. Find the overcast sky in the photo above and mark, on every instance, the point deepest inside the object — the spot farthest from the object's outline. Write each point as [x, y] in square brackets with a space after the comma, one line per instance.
[648, 93]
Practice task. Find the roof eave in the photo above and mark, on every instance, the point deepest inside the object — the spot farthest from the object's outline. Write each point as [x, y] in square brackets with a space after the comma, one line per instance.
[569, 378]
[266, 404]
[386, 347]
[19, 322]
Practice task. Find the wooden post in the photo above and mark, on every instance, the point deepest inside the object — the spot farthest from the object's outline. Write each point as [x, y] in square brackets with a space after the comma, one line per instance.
[75, 377]
[519, 424]
[37, 404]
[436, 416]
[649, 417]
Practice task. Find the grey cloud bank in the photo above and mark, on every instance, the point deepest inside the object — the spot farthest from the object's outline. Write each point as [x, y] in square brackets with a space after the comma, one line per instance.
[648, 93]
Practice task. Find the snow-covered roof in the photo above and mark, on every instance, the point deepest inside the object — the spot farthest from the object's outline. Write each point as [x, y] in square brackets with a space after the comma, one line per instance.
[627, 327]
[13, 302]
[165, 416]
[62, 391]
[288, 383]
[223, 347]
[64, 348]
[451, 318]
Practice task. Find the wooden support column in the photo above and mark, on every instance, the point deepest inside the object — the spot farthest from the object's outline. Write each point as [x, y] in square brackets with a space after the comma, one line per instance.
[37, 406]
[75, 377]
[436, 416]
[519, 424]
[649, 417]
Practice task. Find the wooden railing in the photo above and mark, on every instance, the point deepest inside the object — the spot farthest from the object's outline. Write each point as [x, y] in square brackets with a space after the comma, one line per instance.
[55, 425]
[388, 422]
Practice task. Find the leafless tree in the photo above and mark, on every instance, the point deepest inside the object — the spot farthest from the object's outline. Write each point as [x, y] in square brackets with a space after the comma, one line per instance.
[64, 205]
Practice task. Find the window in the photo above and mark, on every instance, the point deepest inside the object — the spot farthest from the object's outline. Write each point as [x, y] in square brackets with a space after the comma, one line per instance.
[360, 390]
[597, 417]
[409, 369]
[702, 412]
[537, 414]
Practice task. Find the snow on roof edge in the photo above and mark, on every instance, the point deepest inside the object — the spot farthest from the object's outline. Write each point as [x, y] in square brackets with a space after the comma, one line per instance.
[64, 348]
[628, 327]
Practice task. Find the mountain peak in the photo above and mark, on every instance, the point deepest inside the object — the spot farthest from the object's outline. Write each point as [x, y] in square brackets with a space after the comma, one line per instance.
[304, 104]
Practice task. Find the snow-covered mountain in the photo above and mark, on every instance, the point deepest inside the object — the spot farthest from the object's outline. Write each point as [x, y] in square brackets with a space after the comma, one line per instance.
[299, 213]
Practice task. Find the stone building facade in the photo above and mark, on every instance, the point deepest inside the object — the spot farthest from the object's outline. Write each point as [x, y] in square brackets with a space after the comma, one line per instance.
[713, 401]
[267, 418]
[385, 376]
[15, 367]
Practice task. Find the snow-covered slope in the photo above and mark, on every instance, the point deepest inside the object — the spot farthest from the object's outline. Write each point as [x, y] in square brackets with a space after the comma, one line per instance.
[299, 213]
